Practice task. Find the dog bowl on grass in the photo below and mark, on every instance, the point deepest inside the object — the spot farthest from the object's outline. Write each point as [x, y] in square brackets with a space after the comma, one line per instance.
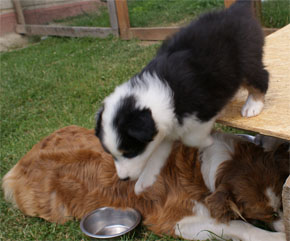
[108, 223]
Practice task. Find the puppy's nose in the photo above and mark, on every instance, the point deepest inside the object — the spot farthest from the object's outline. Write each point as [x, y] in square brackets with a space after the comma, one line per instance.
[125, 179]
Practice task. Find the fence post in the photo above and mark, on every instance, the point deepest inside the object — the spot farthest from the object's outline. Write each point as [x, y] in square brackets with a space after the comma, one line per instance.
[19, 12]
[258, 9]
[256, 5]
[113, 15]
[228, 3]
[123, 19]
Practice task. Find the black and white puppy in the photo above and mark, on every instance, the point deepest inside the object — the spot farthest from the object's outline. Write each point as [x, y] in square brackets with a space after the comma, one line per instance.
[180, 93]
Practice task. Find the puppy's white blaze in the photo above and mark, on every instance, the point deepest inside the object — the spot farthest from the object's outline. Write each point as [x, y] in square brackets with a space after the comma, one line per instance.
[278, 225]
[275, 203]
[252, 107]
[157, 96]
[214, 155]
[129, 168]
[200, 226]
[274, 200]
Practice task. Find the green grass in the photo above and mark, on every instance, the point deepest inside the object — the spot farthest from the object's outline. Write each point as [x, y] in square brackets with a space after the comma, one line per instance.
[142, 13]
[275, 13]
[98, 19]
[57, 83]
[61, 82]
[153, 13]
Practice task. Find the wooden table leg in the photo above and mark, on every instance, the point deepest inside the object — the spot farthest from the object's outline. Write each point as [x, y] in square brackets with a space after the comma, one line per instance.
[286, 207]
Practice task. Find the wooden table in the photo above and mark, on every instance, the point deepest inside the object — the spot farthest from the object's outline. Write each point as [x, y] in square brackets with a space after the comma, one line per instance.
[275, 118]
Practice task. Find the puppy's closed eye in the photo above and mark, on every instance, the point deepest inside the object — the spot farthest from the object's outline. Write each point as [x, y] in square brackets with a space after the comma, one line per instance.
[130, 154]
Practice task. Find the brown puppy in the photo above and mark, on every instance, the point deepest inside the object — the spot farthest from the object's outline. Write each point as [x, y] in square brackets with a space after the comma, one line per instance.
[68, 175]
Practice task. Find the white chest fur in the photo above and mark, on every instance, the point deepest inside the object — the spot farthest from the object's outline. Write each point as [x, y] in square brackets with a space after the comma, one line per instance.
[214, 155]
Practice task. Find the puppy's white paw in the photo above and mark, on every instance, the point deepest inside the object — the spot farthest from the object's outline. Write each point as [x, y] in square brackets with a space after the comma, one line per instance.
[279, 225]
[144, 182]
[252, 107]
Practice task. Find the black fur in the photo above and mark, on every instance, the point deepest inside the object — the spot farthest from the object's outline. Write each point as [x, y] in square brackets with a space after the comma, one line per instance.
[135, 127]
[205, 63]
[98, 129]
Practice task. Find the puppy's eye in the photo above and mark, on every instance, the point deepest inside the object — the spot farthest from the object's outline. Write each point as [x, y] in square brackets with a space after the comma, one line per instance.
[129, 154]
[275, 215]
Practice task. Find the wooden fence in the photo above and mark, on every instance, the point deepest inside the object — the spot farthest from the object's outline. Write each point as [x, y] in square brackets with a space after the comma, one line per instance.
[67, 31]
[120, 25]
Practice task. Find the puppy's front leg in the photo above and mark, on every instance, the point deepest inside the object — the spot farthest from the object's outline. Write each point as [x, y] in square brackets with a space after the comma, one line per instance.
[196, 133]
[202, 226]
[153, 166]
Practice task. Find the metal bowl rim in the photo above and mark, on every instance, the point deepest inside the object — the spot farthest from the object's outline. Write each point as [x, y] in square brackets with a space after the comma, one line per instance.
[250, 138]
[110, 236]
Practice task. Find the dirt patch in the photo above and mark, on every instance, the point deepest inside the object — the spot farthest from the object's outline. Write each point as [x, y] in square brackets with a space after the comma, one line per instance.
[148, 43]
[12, 41]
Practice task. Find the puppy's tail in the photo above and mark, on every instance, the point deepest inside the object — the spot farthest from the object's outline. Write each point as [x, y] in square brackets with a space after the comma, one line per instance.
[8, 183]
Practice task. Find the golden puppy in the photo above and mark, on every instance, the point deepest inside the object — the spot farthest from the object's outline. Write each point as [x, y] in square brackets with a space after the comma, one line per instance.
[68, 174]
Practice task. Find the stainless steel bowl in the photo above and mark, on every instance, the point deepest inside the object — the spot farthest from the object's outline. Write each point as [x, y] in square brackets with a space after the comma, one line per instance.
[247, 137]
[108, 223]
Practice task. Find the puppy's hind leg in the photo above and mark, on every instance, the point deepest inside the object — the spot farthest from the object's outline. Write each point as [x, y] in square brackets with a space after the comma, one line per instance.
[257, 85]
[153, 166]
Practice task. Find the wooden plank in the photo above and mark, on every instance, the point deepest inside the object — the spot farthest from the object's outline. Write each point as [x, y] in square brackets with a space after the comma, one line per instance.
[153, 33]
[257, 7]
[46, 30]
[228, 3]
[161, 33]
[286, 207]
[275, 118]
[123, 19]
[268, 31]
[113, 14]
[156, 33]
[20, 29]
[19, 12]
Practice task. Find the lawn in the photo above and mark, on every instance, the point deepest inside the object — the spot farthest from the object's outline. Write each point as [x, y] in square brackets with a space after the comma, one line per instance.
[142, 13]
[60, 82]
[56, 83]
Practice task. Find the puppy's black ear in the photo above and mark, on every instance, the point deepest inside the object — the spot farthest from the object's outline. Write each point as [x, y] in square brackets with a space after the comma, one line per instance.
[141, 126]
[99, 121]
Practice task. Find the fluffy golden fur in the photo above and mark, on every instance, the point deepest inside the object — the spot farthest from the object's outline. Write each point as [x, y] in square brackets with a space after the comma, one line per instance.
[68, 174]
